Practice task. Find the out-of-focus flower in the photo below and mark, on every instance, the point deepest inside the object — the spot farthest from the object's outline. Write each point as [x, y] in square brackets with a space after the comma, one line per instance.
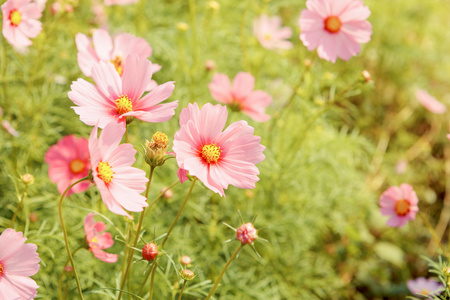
[120, 2]
[68, 162]
[366, 76]
[68, 8]
[401, 166]
[27, 178]
[150, 251]
[115, 99]
[20, 22]
[430, 103]
[119, 183]
[210, 65]
[18, 261]
[217, 158]
[185, 260]
[246, 233]
[100, 15]
[55, 8]
[270, 34]
[187, 274]
[167, 193]
[41, 4]
[241, 96]
[424, 287]
[97, 240]
[400, 203]
[335, 27]
[11, 130]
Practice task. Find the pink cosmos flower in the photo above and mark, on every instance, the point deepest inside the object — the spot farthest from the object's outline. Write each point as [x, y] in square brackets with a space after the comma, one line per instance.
[246, 233]
[424, 287]
[430, 103]
[120, 2]
[18, 261]
[400, 204]
[241, 96]
[113, 99]
[68, 162]
[119, 183]
[97, 240]
[20, 22]
[335, 27]
[270, 34]
[217, 158]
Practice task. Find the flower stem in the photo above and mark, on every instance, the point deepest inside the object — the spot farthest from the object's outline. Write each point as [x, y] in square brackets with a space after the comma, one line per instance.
[433, 233]
[19, 205]
[66, 241]
[223, 271]
[152, 280]
[182, 289]
[159, 196]
[243, 39]
[62, 274]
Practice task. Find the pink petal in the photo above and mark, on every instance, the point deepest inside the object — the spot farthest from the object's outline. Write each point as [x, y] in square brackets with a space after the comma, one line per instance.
[136, 76]
[243, 85]
[220, 88]
[103, 44]
[126, 44]
[86, 55]
[104, 256]
[155, 96]
[107, 80]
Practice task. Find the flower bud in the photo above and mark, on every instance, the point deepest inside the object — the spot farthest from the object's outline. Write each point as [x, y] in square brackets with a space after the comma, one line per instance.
[156, 149]
[55, 8]
[246, 233]
[34, 217]
[210, 65]
[366, 75]
[68, 269]
[166, 193]
[185, 260]
[150, 251]
[187, 274]
[27, 178]
[181, 26]
[68, 8]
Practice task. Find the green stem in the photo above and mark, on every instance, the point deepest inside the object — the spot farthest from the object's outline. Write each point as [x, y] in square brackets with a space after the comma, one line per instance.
[62, 275]
[125, 251]
[159, 196]
[152, 280]
[433, 233]
[182, 289]
[194, 33]
[223, 271]
[126, 132]
[243, 39]
[66, 241]
[18, 206]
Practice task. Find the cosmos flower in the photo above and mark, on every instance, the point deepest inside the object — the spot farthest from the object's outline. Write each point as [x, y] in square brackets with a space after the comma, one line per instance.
[400, 203]
[424, 287]
[98, 241]
[270, 34]
[68, 162]
[430, 103]
[20, 22]
[218, 158]
[18, 261]
[335, 27]
[241, 96]
[113, 99]
[246, 233]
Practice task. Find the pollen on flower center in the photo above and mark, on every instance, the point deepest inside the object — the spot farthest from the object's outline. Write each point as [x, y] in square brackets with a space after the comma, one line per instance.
[77, 166]
[211, 153]
[333, 24]
[15, 17]
[117, 62]
[402, 207]
[123, 105]
[105, 172]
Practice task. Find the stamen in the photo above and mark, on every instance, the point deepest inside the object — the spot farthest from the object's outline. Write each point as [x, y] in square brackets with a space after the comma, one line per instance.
[105, 172]
[333, 24]
[211, 153]
[123, 105]
[15, 17]
[402, 207]
[77, 166]
[117, 62]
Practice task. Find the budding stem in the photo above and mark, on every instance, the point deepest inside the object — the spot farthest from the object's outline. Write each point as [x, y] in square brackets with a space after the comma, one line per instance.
[182, 289]
[18, 206]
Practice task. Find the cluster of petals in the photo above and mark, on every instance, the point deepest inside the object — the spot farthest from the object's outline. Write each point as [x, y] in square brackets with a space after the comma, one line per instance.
[119, 183]
[335, 27]
[113, 98]
[241, 95]
[218, 158]
[97, 240]
[68, 162]
[20, 22]
[425, 287]
[18, 261]
[400, 203]
[430, 103]
[270, 34]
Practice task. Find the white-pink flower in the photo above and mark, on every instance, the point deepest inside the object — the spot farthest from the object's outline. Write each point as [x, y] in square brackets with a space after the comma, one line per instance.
[424, 287]
[113, 98]
[97, 240]
[20, 22]
[335, 27]
[270, 34]
[430, 103]
[400, 203]
[120, 2]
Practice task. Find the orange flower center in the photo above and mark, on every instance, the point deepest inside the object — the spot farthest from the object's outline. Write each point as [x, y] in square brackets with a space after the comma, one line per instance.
[1, 269]
[402, 207]
[15, 17]
[77, 166]
[333, 24]
[105, 172]
[117, 62]
[425, 292]
[123, 105]
[211, 153]
[160, 140]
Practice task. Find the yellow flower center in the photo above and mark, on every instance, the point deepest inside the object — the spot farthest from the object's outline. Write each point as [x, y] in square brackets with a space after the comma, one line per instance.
[77, 166]
[1, 269]
[117, 62]
[15, 17]
[105, 172]
[268, 36]
[333, 24]
[425, 292]
[211, 153]
[160, 140]
[402, 207]
[123, 105]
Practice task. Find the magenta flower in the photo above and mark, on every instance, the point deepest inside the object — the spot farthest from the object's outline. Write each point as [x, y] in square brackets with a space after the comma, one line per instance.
[241, 96]
[425, 287]
[68, 162]
[98, 241]
[113, 99]
[335, 27]
[400, 204]
[217, 158]
[270, 34]
[18, 261]
[430, 103]
[20, 22]
[119, 183]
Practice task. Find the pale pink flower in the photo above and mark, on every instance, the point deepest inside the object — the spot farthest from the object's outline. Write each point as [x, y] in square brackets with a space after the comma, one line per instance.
[401, 166]
[270, 34]
[217, 158]
[98, 241]
[424, 287]
[400, 203]
[69, 161]
[430, 103]
[241, 96]
[119, 183]
[246, 233]
[335, 27]
[120, 2]
[18, 261]
[20, 22]
[113, 99]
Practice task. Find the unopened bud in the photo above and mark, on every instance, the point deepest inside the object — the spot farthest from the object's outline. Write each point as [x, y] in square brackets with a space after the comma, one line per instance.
[214, 5]
[246, 233]
[68, 8]
[366, 75]
[27, 179]
[166, 193]
[181, 26]
[185, 260]
[210, 65]
[55, 8]
[33, 217]
[68, 269]
[187, 274]
[307, 62]
[156, 149]
[150, 251]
